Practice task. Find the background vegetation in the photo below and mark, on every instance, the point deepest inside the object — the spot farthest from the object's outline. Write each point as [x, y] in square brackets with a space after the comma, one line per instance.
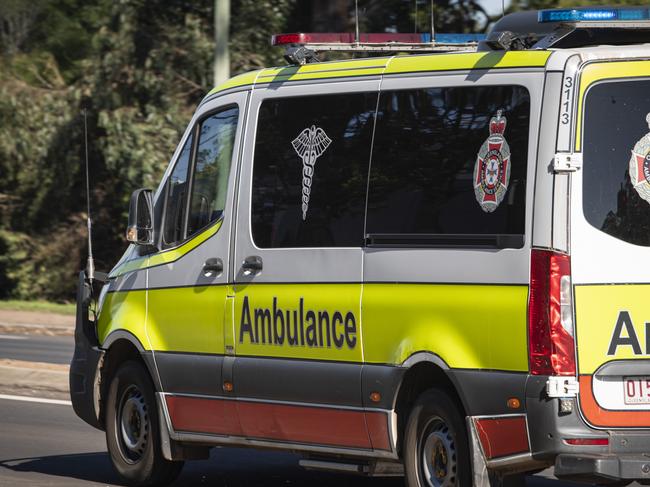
[139, 67]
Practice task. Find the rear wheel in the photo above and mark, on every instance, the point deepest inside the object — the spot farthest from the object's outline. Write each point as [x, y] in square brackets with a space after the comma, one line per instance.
[132, 429]
[435, 443]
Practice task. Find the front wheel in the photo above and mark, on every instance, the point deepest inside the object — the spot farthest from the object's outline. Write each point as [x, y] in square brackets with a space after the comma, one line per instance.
[436, 452]
[132, 429]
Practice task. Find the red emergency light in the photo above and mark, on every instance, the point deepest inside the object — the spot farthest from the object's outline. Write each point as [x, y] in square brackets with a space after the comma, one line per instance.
[348, 38]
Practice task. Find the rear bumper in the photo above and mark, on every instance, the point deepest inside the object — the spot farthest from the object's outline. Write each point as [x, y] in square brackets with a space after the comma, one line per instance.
[602, 468]
[626, 457]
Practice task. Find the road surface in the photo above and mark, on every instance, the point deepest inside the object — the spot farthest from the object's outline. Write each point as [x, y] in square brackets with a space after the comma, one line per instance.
[37, 348]
[46, 444]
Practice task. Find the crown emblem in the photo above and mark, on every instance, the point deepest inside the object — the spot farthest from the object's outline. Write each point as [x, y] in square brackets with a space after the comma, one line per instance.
[492, 167]
[639, 165]
[498, 124]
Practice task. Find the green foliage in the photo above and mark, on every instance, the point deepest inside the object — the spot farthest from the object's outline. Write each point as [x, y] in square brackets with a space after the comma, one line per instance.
[139, 67]
[43, 306]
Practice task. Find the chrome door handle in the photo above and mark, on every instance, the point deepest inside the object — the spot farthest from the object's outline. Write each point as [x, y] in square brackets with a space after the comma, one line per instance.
[252, 264]
[213, 267]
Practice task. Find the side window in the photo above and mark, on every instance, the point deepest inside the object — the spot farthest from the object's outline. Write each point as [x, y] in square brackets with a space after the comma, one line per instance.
[310, 170]
[449, 166]
[213, 160]
[616, 151]
[177, 197]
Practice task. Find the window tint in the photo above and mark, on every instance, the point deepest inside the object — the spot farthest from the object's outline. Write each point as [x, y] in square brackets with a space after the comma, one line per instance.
[435, 173]
[213, 159]
[310, 170]
[176, 196]
[616, 166]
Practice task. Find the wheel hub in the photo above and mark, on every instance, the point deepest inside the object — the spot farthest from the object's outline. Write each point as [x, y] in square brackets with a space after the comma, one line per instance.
[133, 424]
[439, 462]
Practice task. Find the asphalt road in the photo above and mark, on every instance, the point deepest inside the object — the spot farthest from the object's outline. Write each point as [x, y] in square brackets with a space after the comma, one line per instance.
[37, 348]
[47, 445]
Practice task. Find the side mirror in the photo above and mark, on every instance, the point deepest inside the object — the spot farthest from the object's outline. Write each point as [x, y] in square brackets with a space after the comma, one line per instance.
[140, 228]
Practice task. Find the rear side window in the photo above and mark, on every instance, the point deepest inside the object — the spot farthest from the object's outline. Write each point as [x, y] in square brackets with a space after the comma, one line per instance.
[616, 153]
[310, 170]
[449, 167]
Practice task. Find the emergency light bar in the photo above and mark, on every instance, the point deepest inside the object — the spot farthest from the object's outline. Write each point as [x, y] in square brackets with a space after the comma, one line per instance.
[382, 42]
[594, 15]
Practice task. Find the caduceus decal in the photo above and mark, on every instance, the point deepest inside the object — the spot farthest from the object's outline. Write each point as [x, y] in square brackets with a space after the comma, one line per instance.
[309, 145]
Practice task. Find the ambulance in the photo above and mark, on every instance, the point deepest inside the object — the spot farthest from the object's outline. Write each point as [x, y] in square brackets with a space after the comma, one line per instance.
[419, 263]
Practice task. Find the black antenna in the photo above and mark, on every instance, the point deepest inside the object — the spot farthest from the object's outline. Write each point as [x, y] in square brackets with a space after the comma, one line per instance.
[90, 265]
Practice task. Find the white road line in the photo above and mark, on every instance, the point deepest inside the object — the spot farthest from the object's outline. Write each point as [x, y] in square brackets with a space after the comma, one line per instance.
[12, 337]
[42, 400]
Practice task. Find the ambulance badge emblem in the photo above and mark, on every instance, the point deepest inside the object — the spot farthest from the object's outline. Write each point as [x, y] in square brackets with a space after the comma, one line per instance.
[640, 165]
[492, 167]
[309, 145]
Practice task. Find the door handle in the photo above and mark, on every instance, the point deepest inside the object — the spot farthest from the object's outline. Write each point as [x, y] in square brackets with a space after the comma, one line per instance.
[213, 267]
[252, 264]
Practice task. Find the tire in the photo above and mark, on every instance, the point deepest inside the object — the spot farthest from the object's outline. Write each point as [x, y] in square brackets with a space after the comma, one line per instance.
[132, 429]
[436, 452]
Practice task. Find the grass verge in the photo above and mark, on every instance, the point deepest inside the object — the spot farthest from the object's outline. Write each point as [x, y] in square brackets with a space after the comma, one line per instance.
[43, 306]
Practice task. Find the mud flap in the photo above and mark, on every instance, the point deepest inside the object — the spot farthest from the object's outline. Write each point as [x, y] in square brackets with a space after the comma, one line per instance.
[172, 450]
[479, 466]
[86, 361]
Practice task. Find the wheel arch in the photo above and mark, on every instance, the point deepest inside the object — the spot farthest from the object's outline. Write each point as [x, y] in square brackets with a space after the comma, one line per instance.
[121, 346]
[425, 370]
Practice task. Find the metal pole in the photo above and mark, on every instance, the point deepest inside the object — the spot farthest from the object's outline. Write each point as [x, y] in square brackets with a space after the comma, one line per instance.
[433, 30]
[415, 22]
[221, 38]
[356, 21]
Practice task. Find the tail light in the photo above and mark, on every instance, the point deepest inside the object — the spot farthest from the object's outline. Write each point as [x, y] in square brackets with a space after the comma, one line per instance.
[551, 344]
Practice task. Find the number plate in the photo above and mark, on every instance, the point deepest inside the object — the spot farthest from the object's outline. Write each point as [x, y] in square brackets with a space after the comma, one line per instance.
[636, 390]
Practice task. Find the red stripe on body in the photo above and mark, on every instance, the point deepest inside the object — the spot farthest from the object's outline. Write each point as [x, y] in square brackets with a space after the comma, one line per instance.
[281, 422]
[502, 437]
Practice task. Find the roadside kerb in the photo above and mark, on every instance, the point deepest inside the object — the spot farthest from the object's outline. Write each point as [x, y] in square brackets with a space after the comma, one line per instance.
[34, 378]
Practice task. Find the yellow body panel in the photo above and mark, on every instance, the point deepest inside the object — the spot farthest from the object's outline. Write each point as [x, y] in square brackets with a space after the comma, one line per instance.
[317, 298]
[468, 326]
[238, 81]
[187, 319]
[478, 60]
[335, 69]
[124, 311]
[598, 309]
[166, 256]
[603, 71]
[390, 65]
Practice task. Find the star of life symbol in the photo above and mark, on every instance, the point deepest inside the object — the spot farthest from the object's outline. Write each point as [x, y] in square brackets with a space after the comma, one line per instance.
[492, 167]
[309, 145]
[640, 165]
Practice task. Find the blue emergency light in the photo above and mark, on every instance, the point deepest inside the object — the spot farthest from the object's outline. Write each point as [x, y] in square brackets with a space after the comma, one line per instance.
[594, 15]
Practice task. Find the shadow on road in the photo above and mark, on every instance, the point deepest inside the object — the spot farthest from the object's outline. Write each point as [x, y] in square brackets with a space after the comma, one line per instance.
[94, 467]
[230, 467]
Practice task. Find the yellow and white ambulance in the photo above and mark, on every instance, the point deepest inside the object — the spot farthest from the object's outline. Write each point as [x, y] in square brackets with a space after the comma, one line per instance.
[430, 265]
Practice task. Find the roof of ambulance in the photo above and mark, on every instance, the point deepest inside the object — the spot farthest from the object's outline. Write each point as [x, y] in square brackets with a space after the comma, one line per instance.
[551, 59]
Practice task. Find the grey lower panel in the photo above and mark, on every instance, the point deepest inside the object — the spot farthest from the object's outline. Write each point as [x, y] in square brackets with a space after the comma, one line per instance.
[302, 381]
[383, 379]
[597, 468]
[184, 373]
[487, 392]
[147, 356]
